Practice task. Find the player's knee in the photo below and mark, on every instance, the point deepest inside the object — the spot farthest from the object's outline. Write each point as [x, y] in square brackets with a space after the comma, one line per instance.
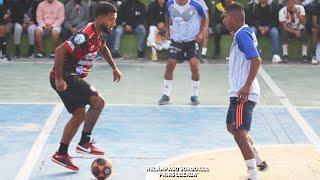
[240, 136]
[230, 129]
[79, 115]
[99, 102]
[170, 65]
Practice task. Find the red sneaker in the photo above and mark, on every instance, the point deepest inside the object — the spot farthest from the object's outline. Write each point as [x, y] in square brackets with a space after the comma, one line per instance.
[89, 148]
[65, 161]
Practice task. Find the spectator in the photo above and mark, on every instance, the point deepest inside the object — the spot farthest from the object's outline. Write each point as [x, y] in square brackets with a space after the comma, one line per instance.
[219, 27]
[24, 19]
[292, 18]
[77, 15]
[265, 22]
[131, 16]
[50, 16]
[315, 32]
[308, 7]
[4, 15]
[207, 4]
[157, 31]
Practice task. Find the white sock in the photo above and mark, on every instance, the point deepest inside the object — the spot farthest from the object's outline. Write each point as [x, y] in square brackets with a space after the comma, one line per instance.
[252, 169]
[204, 51]
[257, 156]
[167, 87]
[195, 88]
[304, 50]
[285, 49]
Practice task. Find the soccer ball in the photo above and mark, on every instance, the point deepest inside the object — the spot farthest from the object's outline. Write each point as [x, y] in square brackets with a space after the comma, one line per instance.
[101, 168]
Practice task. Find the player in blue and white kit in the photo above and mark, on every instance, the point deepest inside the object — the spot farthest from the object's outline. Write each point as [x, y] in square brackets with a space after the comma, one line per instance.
[244, 62]
[189, 22]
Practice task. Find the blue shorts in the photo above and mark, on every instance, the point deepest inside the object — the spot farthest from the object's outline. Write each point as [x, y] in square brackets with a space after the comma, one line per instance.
[240, 114]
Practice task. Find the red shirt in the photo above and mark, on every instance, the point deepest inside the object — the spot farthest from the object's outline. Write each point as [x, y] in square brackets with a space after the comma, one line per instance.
[82, 49]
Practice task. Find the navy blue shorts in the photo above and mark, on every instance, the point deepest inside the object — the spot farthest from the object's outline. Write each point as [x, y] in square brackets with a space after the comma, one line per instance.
[240, 114]
[183, 50]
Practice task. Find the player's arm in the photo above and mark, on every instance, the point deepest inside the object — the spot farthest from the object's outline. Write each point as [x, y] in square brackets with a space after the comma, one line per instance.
[60, 52]
[104, 50]
[254, 68]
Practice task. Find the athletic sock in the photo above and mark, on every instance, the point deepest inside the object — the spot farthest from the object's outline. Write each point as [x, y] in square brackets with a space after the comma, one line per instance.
[167, 87]
[252, 169]
[85, 137]
[195, 88]
[63, 149]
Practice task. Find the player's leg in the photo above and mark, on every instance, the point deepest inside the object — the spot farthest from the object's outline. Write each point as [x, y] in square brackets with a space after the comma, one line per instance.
[195, 80]
[241, 138]
[175, 53]
[262, 165]
[195, 71]
[61, 157]
[97, 103]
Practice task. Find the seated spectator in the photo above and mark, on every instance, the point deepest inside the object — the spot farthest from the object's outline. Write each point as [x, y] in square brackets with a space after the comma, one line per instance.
[219, 28]
[77, 15]
[4, 15]
[157, 31]
[131, 16]
[308, 7]
[315, 33]
[24, 19]
[265, 22]
[50, 16]
[292, 19]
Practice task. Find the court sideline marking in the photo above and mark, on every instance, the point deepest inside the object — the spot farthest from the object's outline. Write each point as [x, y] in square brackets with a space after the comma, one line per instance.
[38, 145]
[305, 127]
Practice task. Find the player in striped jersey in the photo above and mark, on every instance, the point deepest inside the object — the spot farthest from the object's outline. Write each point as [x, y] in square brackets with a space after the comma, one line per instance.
[244, 91]
[73, 62]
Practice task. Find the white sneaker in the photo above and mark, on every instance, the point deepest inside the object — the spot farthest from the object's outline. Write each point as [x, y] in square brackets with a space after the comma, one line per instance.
[314, 60]
[276, 59]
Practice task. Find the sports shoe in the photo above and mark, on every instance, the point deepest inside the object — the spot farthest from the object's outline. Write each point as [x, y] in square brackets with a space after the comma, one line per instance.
[276, 59]
[305, 59]
[263, 166]
[195, 100]
[154, 58]
[65, 161]
[40, 55]
[314, 60]
[52, 55]
[164, 100]
[116, 55]
[285, 59]
[89, 148]
[203, 59]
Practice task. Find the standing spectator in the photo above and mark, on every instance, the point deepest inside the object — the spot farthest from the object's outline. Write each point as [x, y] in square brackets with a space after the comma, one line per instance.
[204, 44]
[156, 17]
[24, 19]
[293, 19]
[315, 32]
[265, 22]
[77, 15]
[219, 28]
[131, 16]
[50, 16]
[4, 15]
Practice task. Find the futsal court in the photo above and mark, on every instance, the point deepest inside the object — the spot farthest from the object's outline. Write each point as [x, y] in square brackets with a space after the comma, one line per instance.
[138, 134]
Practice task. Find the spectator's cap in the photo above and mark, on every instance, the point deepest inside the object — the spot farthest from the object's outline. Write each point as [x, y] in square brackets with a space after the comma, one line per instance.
[104, 8]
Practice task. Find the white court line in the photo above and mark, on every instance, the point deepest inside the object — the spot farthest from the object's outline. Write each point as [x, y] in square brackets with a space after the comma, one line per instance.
[156, 105]
[305, 127]
[38, 145]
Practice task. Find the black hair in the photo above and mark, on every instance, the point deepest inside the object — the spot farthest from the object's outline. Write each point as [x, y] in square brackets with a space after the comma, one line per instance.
[235, 7]
[104, 8]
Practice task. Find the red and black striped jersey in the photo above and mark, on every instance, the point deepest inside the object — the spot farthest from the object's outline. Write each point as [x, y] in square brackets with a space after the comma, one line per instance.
[82, 49]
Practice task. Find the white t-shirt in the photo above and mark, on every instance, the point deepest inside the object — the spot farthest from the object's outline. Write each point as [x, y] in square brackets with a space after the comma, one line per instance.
[292, 19]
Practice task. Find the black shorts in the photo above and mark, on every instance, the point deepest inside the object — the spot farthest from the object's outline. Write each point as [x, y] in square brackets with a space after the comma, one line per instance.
[240, 114]
[78, 92]
[182, 50]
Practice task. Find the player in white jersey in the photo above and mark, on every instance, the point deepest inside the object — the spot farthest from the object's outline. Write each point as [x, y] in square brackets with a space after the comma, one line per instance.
[244, 62]
[189, 22]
